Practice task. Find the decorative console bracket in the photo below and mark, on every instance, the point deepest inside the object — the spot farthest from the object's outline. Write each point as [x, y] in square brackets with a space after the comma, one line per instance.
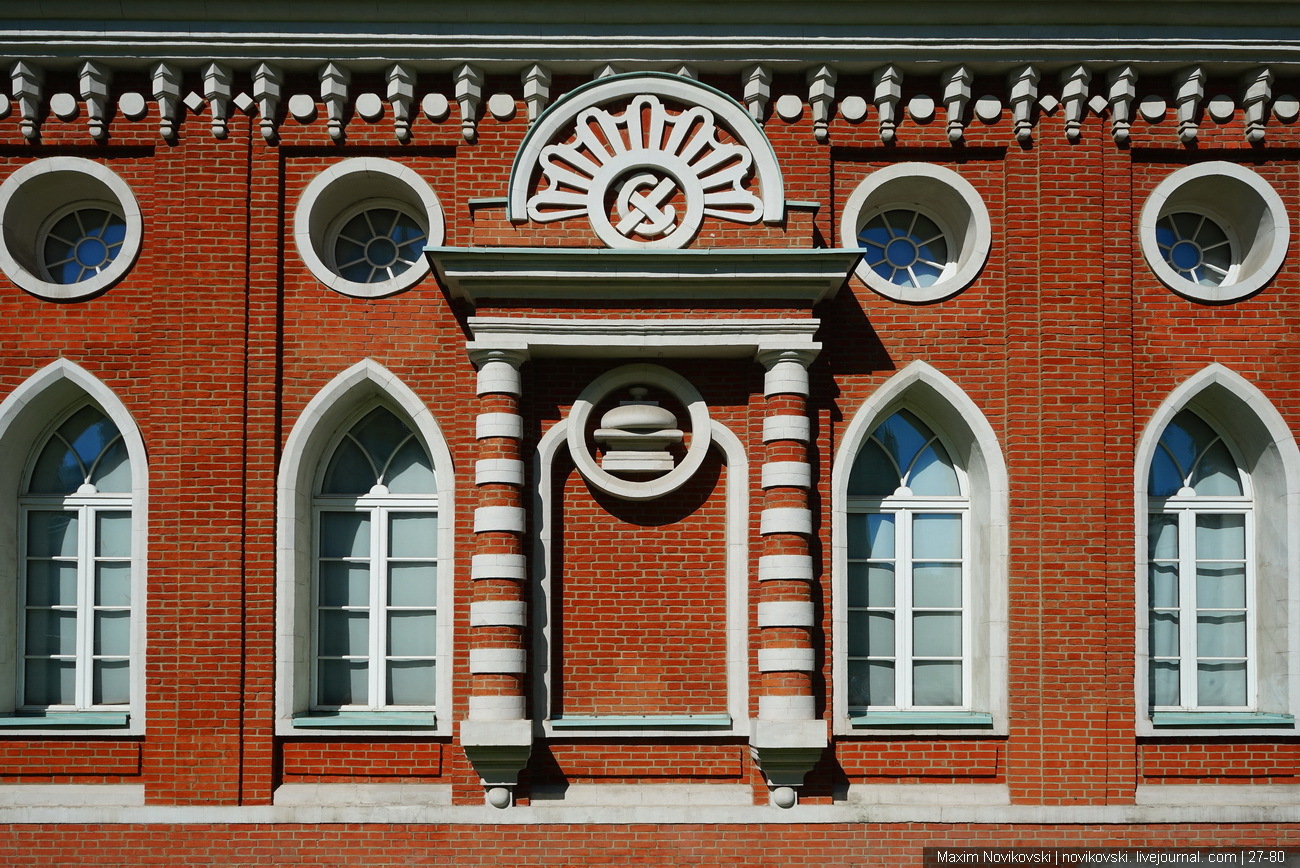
[786, 750]
[498, 751]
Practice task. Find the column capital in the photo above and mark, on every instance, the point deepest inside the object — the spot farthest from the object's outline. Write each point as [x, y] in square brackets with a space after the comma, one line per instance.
[770, 357]
[480, 355]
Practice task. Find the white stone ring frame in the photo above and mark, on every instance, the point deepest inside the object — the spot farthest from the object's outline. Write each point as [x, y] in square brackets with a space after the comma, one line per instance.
[338, 192]
[938, 193]
[45, 188]
[621, 378]
[1244, 205]
[662, 160]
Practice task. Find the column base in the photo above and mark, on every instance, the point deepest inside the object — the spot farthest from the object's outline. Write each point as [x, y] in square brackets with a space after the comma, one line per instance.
[498, 751]
[786, 750]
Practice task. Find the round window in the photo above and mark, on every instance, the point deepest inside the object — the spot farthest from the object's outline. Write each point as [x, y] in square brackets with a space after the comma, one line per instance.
[362, 225]
[71, 228]
[923, 231]
[1214, 232]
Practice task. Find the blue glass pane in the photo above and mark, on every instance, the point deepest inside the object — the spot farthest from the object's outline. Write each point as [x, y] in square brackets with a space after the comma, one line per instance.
[357, 273]
[933, 474]
[112, 472]
[349, 471]
[410, 471]
[1165, 478]
[380, 433]
[903, 436]
[82, 244]
[1216, 473]
[873, 473]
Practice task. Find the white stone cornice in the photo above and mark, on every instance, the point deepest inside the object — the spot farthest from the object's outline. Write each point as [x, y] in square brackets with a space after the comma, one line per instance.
[692, 338]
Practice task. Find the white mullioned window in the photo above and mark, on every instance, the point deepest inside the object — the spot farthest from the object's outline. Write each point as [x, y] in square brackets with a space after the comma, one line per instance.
[75, 569]
[1200, 572]
[375, 583]
[908, 573]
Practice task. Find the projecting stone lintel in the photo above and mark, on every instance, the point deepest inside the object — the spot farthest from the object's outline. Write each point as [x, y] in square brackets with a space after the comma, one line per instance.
[482, 273]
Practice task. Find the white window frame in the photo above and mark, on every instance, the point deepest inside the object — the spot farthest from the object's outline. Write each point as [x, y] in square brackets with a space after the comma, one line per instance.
[1186, 509]
[904, 509]
[86, 507]
[378, 508]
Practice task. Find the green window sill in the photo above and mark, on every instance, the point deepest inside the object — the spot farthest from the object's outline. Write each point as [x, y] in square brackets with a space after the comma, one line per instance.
[367, 720]
[1216, 719]
[922, 719]
[640, 721]
[54, 719]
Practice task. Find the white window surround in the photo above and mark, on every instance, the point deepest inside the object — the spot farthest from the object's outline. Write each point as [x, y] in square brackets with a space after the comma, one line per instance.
[940, 194]
[39, 191]
[973, 446]
[361, 387]
[737, 529]
[1244, 205]
[26, 418]
[341, 192]
[1268, 453]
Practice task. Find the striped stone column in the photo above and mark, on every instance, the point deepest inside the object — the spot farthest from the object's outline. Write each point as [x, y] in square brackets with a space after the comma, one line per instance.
[788, 737]
[498, 735]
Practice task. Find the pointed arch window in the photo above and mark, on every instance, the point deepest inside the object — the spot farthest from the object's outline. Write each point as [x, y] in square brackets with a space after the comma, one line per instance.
[1200, 572]
[375, 575]
[75, 570]
[908, 573]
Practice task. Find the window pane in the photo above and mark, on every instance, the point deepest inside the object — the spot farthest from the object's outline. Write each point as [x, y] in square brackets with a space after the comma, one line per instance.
[113, 633]
[1164, 585]
[49, 682]
[1221, 683]
[902, 435]
[871, 584]
[1220, 537]
[932, 474]
[936, 585]
[51, 583]
[936, 683]
[380, 433]
[413, 535]
[349, 471]
[412, 634]
[113, 471]
[413, 585]
[1220, 586]
[1165, 478]
[344, 534]
[113, 534]
[879, 677]
[1221, 635]
[56, 470]
[857, 641]
[936, 634]
[51, 534]
[871, 535]
[1162, 537]
[344, 634]
[936, 536]
[51, 632]
[1216, 472]
[1164, 634]
[873, 473]
[411, 682]
[880, 634]
[111, 682]
[113, 584]
[410, 471]
[859, 682]
[344, 583]
[1164, 683]
[344, 682]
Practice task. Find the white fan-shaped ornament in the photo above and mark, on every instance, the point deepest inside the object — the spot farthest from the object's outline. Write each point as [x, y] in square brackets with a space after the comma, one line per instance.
[645, 178]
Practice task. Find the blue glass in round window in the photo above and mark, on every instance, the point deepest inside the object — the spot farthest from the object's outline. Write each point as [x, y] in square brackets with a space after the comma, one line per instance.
[83, 243]
[377, 245]
[904, 247]
[1195, 247]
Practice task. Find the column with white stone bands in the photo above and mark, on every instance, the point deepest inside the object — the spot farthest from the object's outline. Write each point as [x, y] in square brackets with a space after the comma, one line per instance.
[788, 737]
[497, 737]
